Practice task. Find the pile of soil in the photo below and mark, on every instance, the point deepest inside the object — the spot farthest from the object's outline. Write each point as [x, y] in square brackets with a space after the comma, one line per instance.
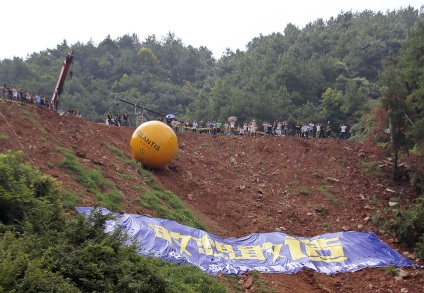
[238, 185]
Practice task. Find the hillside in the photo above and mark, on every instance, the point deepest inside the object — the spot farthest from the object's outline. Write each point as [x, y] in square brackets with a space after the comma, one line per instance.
[237, 186]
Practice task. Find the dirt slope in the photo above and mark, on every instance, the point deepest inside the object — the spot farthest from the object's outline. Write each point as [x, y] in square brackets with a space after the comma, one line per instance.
[240, 185]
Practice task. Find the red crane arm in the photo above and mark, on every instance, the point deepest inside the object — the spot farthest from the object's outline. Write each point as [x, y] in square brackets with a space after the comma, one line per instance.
[61, 80]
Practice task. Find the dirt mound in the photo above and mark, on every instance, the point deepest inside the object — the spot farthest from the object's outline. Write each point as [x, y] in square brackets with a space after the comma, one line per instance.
[240, 185]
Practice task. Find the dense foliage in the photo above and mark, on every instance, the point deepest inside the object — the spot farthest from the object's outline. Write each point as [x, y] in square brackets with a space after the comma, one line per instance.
[42, 250]
[403, 99]
[329, 70]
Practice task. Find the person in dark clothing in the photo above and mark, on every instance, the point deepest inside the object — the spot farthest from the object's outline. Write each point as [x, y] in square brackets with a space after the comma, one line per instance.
[109, 118]
[125, 118]
[298, 128]
[328, 131]
[118, 119]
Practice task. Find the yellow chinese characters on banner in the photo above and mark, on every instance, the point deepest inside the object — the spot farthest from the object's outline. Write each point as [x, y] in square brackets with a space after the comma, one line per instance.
[323, 249]
[264, 252]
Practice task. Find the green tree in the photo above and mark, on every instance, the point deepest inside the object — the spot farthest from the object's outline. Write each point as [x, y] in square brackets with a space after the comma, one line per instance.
[355, 100]
[330, 106]
[27, 197]
[413, 64]
[394, 101]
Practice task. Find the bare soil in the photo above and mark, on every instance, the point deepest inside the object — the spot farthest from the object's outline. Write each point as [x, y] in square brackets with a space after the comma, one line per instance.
[240, 185]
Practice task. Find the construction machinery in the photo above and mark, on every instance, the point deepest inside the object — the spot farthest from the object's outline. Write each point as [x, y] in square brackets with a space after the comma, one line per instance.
[61, 80]
[140, 111]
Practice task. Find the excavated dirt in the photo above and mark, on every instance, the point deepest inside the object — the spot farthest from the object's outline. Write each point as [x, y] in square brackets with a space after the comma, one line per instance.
[240, 185]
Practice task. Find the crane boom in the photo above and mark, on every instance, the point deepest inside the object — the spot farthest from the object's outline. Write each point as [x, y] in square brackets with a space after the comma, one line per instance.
[141, 107]
[61, 80]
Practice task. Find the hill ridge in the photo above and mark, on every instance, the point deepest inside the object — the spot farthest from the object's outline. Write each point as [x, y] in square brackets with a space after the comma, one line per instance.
[236, 185]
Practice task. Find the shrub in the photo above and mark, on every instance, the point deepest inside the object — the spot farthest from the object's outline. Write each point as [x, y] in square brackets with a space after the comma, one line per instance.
[409, 226]
[41, 250]
[26, 196]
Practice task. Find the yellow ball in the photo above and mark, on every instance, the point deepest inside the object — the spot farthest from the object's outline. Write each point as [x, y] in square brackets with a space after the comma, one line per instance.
[154, 144]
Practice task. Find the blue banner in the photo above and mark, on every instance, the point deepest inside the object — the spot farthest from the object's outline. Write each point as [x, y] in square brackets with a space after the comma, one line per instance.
[266, 252]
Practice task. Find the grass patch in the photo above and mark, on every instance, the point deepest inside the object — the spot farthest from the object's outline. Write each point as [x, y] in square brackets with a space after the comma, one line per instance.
[320, 174]
[377, 220]
[146, 175]
[169, 206]
[127, 176]
[34, 121]
[119, 154]
[138, 187]
[323, 212]
[115, 150]
[26, 113]
[328, 195]
[292, 183]
[60, 149]
[92, 179]
[111, 199]
[304, 191]
[370, 168]
[4, 137]
[390, 270]
[57, 148]
[383, 145]
[374, 201]
[233, 282]
[262, 286]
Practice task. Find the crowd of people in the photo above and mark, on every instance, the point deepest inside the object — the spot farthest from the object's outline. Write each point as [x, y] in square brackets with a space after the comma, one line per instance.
[214, 127]
[17, 94]
[22, 96]
[118, 119]
[278, 128]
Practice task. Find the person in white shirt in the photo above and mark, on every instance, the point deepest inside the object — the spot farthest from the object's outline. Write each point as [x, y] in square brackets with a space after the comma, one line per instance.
[232, 125]
[311, 129]
[279, 128]
[318, 128]
[305, 131]
[195, 125]
[343, 129]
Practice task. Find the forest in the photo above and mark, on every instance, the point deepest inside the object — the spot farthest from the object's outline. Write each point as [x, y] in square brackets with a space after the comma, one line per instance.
[330, 70]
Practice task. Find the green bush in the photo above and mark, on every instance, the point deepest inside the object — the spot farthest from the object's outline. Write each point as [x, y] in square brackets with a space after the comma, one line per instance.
[420, 247]
[409, 226]
[41, 250]
[26, 196]
[417, 179]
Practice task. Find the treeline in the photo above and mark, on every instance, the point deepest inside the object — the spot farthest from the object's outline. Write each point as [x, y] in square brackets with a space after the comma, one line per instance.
[42, 249]
[329, 70]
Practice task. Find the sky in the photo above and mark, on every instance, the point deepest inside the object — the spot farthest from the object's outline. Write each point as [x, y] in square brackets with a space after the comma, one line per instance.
[29, 26]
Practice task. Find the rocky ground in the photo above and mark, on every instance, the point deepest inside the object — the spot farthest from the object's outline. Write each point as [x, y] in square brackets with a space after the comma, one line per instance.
[241, 185]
